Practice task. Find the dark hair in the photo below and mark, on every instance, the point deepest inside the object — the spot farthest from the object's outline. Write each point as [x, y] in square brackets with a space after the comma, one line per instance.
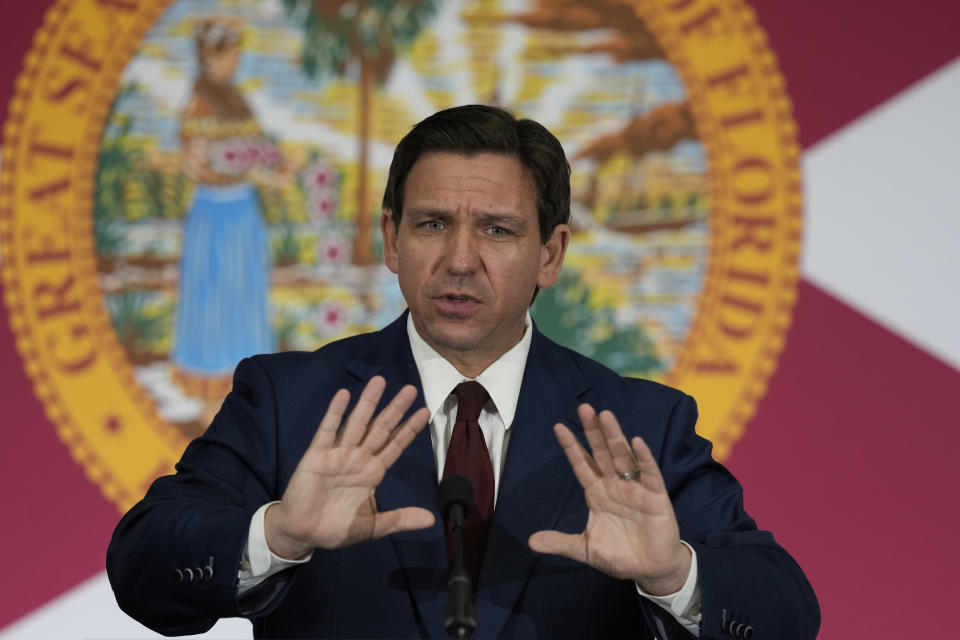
[477, 128]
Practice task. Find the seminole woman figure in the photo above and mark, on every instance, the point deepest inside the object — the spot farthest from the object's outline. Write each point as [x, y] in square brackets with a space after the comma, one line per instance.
[222, 312]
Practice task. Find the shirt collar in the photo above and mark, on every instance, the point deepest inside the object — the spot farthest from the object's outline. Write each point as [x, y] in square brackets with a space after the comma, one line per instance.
[501, 379]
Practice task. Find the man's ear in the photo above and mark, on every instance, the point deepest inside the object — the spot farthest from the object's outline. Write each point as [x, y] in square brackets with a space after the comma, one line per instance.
[551, 255]
[389, 231]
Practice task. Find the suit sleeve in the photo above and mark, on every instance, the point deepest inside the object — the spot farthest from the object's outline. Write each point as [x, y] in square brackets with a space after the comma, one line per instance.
[174, 558]
[747, 581]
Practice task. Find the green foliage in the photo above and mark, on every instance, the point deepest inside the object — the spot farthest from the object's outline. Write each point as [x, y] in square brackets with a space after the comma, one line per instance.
[324, 50]
[125, 187]
[107, 235]
[139, 324]
[273, 205]
[563, 313]
[284, 329]
[286, 246]
[156, 194]
[376, 28]
[117, 154]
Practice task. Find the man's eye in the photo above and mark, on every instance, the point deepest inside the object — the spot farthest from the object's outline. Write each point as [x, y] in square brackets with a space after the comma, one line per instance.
[498, 232]
[433, 225]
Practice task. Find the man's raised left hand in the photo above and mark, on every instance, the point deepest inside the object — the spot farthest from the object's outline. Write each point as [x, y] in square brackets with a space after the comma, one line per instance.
[631, 531]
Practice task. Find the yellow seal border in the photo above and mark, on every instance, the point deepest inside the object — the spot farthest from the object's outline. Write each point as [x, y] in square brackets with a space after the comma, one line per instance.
[51, 139]
[744, 118]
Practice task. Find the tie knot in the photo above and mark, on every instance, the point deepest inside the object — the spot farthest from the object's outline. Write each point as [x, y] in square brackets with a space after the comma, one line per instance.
[471, 396]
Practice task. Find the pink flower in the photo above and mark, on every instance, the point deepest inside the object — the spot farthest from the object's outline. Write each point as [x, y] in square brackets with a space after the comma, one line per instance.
[333, 249]
[234, 156]
[331, 319]
[264, 152]
[318, 176]
[322, 204]
[231, 156]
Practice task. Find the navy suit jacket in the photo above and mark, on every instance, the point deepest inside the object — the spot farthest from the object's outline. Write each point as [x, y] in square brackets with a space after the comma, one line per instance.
[198, 519]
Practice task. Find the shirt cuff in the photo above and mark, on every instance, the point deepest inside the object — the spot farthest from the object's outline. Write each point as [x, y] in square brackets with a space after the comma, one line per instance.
[258, 562]
[684, 605]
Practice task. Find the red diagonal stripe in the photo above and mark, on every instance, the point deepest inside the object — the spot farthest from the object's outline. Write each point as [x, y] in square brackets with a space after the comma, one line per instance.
[859, 433]
[56, 524]
[842, 58]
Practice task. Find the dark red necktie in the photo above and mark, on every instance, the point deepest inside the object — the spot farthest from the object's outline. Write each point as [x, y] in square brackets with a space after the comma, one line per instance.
[467, 455]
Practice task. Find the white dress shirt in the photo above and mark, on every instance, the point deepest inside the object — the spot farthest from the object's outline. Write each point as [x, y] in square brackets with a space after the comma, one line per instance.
[502, 381]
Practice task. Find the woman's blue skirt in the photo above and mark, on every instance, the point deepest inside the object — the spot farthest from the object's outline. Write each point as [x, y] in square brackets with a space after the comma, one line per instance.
[222, 310]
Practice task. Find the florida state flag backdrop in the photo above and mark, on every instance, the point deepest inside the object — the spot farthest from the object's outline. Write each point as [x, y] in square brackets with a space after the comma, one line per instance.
[766, 213]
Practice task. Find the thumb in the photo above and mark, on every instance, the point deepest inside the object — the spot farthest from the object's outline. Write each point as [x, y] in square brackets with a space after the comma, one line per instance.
[405, 519]
[561, 544]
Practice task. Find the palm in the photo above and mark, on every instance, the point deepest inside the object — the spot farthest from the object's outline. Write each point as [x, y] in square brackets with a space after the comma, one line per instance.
[631, 530]
[338, 484]
[621, 538]
[329, 502]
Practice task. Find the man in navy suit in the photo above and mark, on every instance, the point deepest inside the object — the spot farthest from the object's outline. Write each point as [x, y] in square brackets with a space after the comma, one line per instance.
[611, 519]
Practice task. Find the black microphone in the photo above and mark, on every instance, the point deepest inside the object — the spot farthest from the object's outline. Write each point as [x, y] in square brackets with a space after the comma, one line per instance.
[455, 495]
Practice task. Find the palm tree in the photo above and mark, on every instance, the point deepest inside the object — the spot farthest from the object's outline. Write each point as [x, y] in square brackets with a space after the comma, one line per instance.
[368, 33]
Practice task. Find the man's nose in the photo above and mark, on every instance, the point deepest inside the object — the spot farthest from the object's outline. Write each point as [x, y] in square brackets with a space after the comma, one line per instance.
[461, 255]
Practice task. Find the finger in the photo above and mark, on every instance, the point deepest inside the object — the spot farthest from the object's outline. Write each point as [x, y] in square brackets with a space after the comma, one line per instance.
[397, 520]
[623, 459]
[650, 474]
[583, 465]
[568, 545]
[327, 431]
[387, 420]
[598, 445]
[402, 436]
[359, 418]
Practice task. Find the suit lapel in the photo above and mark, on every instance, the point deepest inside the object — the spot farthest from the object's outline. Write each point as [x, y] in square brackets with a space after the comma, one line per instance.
[411, 481]
[536, 480]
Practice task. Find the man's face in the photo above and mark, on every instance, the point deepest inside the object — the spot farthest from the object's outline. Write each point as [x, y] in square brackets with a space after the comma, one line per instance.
[468, 254]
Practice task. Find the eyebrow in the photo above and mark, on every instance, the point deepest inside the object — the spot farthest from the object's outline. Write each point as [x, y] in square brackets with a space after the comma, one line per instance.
[505, 219]
[485, 217]
[427, 213]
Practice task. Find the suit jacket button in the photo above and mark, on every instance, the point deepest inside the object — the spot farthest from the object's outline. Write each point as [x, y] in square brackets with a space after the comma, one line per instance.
[197, 571]
[178, 575]
[748, 633]
[208, 573]
[189, 573]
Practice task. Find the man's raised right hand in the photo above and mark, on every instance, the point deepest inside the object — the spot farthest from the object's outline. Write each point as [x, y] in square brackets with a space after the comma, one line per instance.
[329, 502]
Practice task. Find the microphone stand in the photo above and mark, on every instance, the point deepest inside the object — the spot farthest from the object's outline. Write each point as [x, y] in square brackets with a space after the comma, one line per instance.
[455, 495]
[461, 618]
